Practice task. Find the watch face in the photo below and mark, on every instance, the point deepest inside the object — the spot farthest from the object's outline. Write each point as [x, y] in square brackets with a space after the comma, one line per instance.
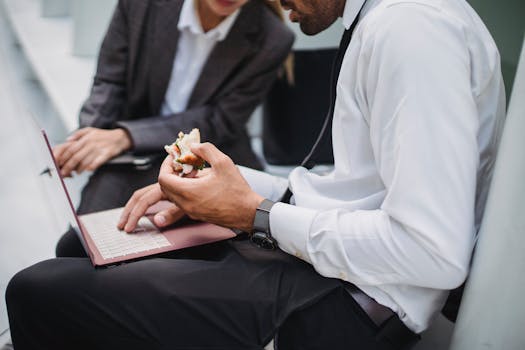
[262, 240]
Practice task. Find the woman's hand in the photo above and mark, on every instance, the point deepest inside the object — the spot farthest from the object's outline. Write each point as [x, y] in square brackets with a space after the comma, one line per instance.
[89, 148]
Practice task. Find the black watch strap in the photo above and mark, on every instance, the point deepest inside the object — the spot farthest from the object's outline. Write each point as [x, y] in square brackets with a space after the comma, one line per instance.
[261, 223]
[261, 235]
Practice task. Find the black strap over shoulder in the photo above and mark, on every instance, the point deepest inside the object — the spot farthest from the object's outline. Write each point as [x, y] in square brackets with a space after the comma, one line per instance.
[309, 160]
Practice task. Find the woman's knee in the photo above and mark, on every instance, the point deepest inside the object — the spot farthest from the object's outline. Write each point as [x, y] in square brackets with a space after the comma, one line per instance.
[69, 245]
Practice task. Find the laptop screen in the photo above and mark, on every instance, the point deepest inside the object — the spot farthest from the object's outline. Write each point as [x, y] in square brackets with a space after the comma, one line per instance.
[57, 190]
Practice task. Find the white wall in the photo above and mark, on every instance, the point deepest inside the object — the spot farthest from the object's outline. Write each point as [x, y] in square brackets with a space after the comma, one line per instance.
[91, 18]
[492, 314]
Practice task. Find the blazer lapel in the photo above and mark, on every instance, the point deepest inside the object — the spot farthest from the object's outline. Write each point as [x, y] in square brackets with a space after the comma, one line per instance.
[165, 39]
[227, 54]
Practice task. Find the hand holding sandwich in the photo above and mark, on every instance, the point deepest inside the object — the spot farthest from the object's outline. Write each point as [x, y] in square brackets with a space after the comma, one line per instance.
[220, 195]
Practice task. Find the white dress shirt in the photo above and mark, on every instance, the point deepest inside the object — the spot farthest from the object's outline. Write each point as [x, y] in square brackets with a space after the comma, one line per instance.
[193, 49]
[419, 110]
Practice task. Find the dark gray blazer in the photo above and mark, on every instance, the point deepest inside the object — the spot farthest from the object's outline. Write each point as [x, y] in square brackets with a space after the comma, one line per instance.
[134, 69]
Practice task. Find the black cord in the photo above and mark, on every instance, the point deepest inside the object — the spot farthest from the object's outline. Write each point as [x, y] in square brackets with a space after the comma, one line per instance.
[308, 161]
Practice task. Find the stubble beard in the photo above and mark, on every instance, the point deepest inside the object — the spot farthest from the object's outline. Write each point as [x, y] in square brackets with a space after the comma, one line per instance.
[323, 18]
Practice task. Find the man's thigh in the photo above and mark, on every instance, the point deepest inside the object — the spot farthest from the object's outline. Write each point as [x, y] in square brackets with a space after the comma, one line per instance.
[335, 322]
[232, 298]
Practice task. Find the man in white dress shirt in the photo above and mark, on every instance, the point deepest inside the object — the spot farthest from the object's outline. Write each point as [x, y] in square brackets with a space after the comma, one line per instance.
[417, 118]
[419, 110]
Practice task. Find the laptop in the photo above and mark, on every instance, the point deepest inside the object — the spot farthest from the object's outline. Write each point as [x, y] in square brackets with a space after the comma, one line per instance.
[107, 245]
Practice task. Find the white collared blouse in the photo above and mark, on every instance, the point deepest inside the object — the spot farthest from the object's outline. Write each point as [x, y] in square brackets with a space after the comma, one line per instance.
[193, 50]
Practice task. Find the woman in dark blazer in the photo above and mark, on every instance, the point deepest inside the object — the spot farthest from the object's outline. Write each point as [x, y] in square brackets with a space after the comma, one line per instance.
[126, 110]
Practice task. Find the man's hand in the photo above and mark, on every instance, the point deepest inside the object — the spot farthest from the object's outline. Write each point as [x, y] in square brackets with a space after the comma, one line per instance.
[89, 148]
[139, 203]
[219, 195]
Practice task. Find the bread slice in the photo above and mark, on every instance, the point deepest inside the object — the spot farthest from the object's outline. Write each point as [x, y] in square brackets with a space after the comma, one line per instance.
[184, 161]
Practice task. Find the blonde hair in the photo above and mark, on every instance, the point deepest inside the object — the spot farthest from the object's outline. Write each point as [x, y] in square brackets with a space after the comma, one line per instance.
[288, 65]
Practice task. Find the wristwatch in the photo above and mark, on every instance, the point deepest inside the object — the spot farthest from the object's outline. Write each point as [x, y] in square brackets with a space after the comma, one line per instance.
[261, 235]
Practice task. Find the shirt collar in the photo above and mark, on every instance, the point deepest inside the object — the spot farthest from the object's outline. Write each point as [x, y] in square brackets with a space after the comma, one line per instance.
[189, 20]
[352, 8]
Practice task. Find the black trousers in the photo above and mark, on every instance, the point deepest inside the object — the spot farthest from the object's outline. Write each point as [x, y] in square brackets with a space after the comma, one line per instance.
[226, 295]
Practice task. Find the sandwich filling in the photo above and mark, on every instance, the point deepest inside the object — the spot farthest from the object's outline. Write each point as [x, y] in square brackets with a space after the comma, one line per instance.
[184, 161]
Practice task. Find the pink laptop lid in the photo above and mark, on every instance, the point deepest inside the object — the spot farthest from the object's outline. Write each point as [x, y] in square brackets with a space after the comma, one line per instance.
[179, 237]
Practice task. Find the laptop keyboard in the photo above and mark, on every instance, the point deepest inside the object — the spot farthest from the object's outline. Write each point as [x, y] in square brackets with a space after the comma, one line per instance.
[113, 243]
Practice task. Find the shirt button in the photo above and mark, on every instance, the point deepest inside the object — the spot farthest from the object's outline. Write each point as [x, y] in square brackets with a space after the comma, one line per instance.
[299, 255]
[343, 276]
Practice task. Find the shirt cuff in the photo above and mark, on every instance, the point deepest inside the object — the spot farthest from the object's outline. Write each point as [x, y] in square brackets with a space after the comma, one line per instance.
[131, 132]
[268, 186]
[290, 226]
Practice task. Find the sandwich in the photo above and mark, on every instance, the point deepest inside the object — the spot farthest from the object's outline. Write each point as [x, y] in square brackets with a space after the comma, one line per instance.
[184, 161]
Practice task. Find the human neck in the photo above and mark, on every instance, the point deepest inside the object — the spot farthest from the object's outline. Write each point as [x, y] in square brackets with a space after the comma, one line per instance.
[209, 19]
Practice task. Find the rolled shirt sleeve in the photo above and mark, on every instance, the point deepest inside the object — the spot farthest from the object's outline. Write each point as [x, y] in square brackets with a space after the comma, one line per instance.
[266, 185]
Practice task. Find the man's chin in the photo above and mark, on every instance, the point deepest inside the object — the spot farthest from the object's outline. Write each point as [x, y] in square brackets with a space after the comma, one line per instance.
[308, 29]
